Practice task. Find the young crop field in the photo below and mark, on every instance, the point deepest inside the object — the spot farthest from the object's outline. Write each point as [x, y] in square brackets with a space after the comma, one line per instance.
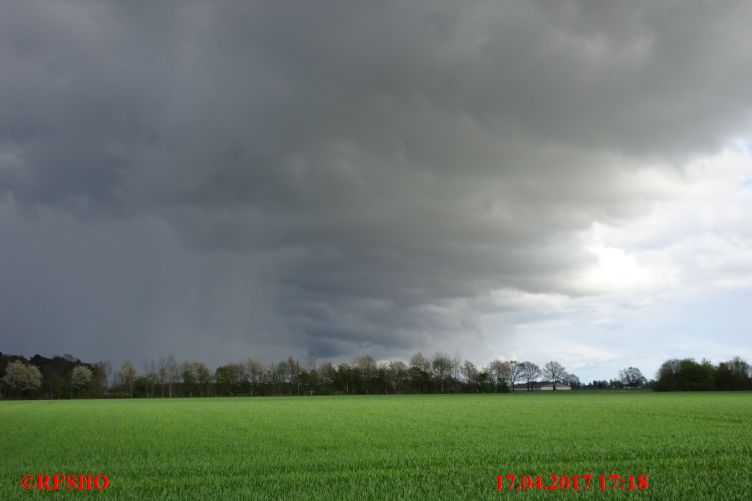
[690, 445]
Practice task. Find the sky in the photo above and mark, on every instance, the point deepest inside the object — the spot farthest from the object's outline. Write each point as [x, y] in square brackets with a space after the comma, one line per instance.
[525, 180]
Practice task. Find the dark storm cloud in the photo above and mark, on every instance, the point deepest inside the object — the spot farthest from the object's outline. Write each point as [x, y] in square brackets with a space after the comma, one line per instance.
[333, 176]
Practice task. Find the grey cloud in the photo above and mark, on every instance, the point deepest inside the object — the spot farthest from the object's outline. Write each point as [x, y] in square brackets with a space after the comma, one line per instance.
[332, 173]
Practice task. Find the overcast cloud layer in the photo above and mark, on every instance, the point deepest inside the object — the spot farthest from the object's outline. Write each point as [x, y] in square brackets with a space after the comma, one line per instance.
[539, 180]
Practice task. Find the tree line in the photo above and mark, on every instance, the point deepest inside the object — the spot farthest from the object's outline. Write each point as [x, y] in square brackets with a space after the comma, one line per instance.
[68, 377]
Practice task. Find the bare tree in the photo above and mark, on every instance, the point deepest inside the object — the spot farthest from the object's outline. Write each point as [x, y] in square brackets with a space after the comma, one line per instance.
[172, 370]
[398, 375]
[151, 374]
[494, 370]
[420, 373]
[162, 375]
[168, 374]
[572, 380]
[278, 374]
[254, 373]
[470, 373]
[420, 362]
[311, 362]
[501, 373]
[529, 372]
[367, 369]
[127, 376]
[454, 373]
[554, 372]
[442, 368]
[632, 377]
[326, 373]
[294, 374]
[513, 372]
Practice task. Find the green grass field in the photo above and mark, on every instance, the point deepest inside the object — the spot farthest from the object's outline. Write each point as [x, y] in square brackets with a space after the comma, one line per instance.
[691, 445]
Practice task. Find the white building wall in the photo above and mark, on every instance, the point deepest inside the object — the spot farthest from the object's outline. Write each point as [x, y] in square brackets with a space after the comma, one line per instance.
[559, 387]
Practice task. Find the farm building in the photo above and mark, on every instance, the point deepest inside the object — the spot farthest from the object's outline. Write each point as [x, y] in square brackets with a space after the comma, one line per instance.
[542, 386]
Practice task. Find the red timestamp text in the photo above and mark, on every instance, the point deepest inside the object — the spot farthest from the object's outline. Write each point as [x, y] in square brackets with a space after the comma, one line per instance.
[554, 482]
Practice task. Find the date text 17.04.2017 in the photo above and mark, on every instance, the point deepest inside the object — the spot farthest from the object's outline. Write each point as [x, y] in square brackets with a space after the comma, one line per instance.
[553, 482]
